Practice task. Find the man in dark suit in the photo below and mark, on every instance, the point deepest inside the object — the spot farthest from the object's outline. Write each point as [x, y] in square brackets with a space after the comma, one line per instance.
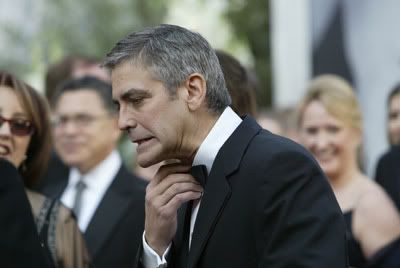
[258, 200]
[19, 243]
[388, 173]
[90, 178]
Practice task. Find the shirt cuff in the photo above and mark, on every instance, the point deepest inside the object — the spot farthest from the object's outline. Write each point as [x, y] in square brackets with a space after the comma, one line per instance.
[150, 258]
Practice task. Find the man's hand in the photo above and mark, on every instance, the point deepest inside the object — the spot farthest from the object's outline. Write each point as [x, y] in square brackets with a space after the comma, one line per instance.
[171, 186]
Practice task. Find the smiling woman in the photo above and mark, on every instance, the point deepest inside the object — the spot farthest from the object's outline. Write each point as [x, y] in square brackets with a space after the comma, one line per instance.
[330, 128]
[25, 141]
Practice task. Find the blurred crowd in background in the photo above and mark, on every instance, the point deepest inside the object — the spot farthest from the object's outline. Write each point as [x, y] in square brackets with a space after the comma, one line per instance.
[68, 117]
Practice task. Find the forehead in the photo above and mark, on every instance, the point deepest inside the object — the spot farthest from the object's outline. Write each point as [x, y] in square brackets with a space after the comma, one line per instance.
[127, 76]
[82, 100]
[316, 113]
[395, 101]
[9, 101]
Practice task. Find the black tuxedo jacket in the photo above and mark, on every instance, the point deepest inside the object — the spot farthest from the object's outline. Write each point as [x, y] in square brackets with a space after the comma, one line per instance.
[388, 174]
[266, 204]
[115, 230]
[19, 241]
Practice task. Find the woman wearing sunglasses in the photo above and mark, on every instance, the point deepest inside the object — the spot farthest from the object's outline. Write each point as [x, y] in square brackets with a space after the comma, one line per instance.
[25, 140]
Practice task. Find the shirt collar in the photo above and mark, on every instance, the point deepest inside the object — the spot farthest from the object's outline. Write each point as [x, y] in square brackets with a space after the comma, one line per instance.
[218, 135]
[102, 174]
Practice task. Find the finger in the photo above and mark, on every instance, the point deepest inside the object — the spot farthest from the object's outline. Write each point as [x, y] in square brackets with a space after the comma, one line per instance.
[170, 209]
[164, 170]
[171, 185]
[173, 190]
[176, 202]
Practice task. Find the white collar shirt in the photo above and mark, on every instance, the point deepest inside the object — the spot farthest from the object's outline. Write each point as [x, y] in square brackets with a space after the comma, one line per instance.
[97, 182]
[208, 150]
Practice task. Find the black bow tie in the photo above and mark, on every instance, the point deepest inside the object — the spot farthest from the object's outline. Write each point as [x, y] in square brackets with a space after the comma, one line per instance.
[199, 172]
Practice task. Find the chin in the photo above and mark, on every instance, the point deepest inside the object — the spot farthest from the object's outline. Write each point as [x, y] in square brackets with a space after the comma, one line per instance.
[149, 158]
[330, 171]
[146, 162]
[70, 160]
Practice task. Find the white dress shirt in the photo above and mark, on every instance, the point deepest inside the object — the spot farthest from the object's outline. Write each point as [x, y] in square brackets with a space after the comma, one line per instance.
[97, 182]
[208, 150]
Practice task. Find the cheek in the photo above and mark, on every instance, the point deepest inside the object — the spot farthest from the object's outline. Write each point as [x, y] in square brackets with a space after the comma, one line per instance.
[306, 140]
[394, 125]
[21, 150]
[56, 132]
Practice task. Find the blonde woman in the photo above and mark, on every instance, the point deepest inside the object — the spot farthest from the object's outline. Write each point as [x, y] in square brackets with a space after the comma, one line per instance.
[330, 126]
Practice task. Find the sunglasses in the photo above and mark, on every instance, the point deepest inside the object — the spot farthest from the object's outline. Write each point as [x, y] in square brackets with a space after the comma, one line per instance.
[18, 126]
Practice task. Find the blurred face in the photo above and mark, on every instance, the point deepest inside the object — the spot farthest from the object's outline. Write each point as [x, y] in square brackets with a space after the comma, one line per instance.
[81, 69]
[270, 125]
[84, 131]
[394, 120]
[152, 118]
[332, 142]
[13, 146]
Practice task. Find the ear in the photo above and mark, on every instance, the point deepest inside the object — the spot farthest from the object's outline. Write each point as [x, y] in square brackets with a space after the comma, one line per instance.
[194, 91]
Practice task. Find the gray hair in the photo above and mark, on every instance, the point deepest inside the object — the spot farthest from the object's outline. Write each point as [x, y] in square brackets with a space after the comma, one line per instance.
[172, 53]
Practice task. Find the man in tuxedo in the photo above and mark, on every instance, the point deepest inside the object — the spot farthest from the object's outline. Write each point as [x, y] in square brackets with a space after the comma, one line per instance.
[107, 199]
[232, 195]
[19, 243]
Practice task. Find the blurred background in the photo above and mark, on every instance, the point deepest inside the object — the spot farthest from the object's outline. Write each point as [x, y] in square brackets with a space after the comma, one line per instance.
[285, 42]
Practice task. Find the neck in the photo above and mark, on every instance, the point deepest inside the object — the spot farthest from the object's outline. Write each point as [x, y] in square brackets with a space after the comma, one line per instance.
[342, 179]
[198, 129]
[87, 167]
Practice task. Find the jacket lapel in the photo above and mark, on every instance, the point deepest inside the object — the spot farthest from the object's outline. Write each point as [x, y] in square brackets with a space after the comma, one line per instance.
[215, 196]
[218, 191]
[102, 224]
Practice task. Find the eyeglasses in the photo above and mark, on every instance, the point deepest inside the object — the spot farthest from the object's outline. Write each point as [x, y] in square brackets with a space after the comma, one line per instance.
[18, 126]
[80, 120]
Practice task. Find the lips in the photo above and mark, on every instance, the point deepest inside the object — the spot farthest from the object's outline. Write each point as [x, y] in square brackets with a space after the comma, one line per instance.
[4, 150]
[143, 140]
[325, 154]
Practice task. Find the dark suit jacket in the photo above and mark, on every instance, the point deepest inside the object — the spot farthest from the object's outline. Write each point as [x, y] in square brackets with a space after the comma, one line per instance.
[115, 230]
[19, 243]
[266, 204]
[388, 174]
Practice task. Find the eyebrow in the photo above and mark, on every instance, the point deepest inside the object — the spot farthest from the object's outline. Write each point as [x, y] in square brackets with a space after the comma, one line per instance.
[18, 114]
[135, 93]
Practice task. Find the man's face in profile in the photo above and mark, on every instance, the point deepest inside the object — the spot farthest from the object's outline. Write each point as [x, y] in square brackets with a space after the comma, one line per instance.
[153, 118]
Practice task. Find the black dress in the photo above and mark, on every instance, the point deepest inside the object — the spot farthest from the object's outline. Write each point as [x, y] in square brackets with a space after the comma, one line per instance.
[388, 174]
[356, 256]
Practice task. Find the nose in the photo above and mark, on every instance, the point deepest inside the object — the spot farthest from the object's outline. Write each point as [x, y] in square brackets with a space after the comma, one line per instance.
[69, 128]
[126, 120]
[5, 129]
[321, 141]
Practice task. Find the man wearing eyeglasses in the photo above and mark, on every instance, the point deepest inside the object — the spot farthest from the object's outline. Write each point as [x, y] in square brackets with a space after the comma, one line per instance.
[108, 201]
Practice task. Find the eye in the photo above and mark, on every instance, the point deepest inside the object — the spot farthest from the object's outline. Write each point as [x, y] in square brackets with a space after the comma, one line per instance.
[58, 120]
[136, 100]
[311, 130]
[84, 119]
[21, 123]
[117, 106]
[394, 115]
[333, 129]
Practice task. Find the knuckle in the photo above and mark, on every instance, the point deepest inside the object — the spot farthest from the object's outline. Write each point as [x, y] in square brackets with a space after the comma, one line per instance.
[180, 198]
[174, 188]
